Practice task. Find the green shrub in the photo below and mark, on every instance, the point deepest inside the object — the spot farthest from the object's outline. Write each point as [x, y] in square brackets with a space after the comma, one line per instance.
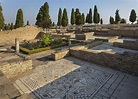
[46, 40]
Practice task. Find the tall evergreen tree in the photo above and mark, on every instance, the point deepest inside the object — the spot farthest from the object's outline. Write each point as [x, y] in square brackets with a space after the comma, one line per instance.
[59, 17]
[43, 17]
[1, 18]
[12, 26]
[83, 18]
[87, 18]
[117, 17]
[64, 18]
[19, 19]
[73, 17]
[111, 20]
[101, 21]
[27, 23]
[98, 17]
[78, 17]
[133, 16]
[90, 16]
[95, 16]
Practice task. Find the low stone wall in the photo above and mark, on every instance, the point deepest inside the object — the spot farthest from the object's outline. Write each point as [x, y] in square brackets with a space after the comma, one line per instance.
[127, 62]
[84, 36]
[127, 44]
[111, 39]
[15, 68]
[60, 54]
[124, 33]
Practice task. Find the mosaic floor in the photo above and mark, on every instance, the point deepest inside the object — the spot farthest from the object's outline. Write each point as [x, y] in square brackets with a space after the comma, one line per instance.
[69, 78]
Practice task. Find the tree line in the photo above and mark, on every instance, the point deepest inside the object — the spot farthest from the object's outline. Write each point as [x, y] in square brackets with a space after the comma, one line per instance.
[77, 18]
[118, 19]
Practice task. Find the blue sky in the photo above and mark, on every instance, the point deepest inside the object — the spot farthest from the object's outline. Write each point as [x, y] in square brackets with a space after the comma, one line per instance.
[30, 8]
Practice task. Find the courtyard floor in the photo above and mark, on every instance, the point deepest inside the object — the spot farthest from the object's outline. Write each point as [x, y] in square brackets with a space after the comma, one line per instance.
[71, 78]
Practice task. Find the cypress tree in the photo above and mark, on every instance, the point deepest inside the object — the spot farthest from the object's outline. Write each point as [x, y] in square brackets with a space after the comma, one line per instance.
[87, 18]
[39, 17]
[43, 17]
[19, 19]
[73, 17]
[117, 17]
[98, 17]
[101, 21]
[59, 17]
[1, 18]
[64, 18]
[83, 18]
[132, 17]
[12, 26]
[95, 16]
[111, 20]
[27, 23]
[90, 16]
[78, 17]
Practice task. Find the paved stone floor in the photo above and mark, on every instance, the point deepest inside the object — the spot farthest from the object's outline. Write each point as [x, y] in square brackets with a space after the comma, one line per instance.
[71, 78]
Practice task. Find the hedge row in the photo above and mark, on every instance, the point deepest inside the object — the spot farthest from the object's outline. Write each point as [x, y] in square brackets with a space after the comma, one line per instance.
[27, 51]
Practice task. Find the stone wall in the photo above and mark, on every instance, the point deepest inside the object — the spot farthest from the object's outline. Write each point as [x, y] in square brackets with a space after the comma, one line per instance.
[60, 54]
[111, 39]
[84, 36]
[127, 44]
[15, 68]
[124, 33]
[127, 62]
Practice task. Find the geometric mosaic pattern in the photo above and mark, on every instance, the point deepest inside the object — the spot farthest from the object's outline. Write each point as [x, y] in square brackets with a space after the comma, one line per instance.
[82, 83]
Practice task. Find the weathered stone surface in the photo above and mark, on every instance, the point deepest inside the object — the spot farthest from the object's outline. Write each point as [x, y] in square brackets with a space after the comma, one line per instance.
[15, 68]
[60, 54]
[71, 78]
[125, 62]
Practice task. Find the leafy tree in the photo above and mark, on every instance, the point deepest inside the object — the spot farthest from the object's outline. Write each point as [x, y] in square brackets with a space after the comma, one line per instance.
[111, 20]
[12, 26]
[87, 18]
[27, 23]
[83, 18]
[64, 18]
[72, 17]
[59, 17]
[19, 19]
[1, 18]
[117, 17]
[43, 17]
[101, 21]
[123, 20]
[133, 16]
[96, 15]
[90, 16]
